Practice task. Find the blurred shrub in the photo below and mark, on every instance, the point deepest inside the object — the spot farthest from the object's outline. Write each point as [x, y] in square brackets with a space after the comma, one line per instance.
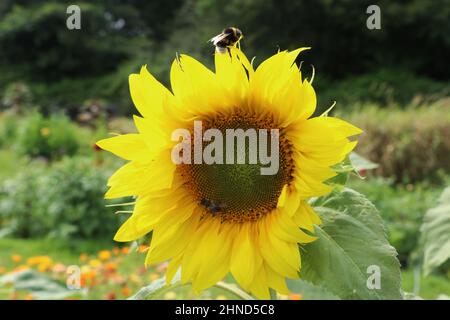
[402, 209]
[17, 95]
[8, 128]
[58, 201]
[383, 87]
[409, 145]
[50, 138]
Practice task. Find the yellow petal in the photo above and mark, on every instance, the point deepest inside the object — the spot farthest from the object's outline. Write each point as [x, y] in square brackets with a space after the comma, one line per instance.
[215, 257]
[172, 268]
[148, 94]
[245, 257]
[135, 179]
[278, 254]
[174, 245]
[259, 287]
[276, 280]
[195, 87]
[127, 146]
[129, 230]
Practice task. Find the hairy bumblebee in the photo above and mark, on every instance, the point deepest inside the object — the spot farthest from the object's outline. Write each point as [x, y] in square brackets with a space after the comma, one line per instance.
[229, 37]
[214, 207]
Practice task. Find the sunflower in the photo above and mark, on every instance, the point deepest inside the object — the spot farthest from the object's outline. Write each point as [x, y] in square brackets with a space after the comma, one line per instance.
[263, 219]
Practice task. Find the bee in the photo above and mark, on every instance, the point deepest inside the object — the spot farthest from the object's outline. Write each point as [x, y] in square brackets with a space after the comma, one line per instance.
[229, 37]
[214, 207]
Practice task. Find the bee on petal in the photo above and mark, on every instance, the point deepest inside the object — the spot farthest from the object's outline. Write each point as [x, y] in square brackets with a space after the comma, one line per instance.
[228, 38]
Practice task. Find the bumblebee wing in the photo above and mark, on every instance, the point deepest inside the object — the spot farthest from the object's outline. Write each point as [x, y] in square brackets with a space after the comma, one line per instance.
[219, 38]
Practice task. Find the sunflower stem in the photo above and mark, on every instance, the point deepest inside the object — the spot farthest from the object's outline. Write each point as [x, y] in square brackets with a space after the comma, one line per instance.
[273, 294]
[235, 290]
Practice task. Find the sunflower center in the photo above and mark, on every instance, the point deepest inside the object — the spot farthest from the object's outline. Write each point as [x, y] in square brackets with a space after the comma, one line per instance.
[239, 192]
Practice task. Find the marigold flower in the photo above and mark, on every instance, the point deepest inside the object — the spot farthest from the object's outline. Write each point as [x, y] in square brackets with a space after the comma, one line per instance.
[16, 258]
[104, 255]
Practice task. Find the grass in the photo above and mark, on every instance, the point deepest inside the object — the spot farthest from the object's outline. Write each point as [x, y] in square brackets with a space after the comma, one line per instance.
[430, 287]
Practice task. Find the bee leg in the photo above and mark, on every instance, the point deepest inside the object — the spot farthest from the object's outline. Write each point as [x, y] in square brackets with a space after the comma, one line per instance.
[229, 52]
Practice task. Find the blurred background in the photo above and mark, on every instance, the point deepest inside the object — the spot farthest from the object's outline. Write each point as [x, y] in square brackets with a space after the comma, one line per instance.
[61, 90]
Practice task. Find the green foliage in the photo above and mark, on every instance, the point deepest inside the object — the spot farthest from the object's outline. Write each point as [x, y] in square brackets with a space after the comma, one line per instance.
[431, 286]
[382, 87]
[58, 201]
[409, 145]
[50, 138]
[351, 239]
[40, 286]
[8, 128]
[16, 96]
[64, 67]
[336, 30]
[401, 207]
[436, 234]
[310, 291]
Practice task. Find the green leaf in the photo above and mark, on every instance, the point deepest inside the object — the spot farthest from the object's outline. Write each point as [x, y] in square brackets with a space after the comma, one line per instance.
[40, 286]
[156, 287]
[310, 291]
[353, 163]
[436, 234]
[361, 163]
[351, 239]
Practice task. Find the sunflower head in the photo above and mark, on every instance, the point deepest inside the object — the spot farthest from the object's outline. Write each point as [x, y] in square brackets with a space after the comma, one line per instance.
[209, 219]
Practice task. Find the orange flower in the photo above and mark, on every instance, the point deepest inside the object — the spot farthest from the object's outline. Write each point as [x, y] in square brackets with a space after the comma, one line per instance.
[29, 297]
[142, 248]
[104, 255]
[126, 291]
[16, 258]
[2, 270]
[295, 296]
[116, 251]
[88, 278]
[83, 257]
[125, 250]
[110, 267]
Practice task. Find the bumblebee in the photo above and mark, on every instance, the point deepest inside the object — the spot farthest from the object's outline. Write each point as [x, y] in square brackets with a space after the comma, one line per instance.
[214, 207]
[229, 37]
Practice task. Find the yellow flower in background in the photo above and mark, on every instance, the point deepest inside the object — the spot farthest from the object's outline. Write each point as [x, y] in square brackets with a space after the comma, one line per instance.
[262, 218]
[104, 255]
[45, 132]
[43, 263]
[95, 263]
